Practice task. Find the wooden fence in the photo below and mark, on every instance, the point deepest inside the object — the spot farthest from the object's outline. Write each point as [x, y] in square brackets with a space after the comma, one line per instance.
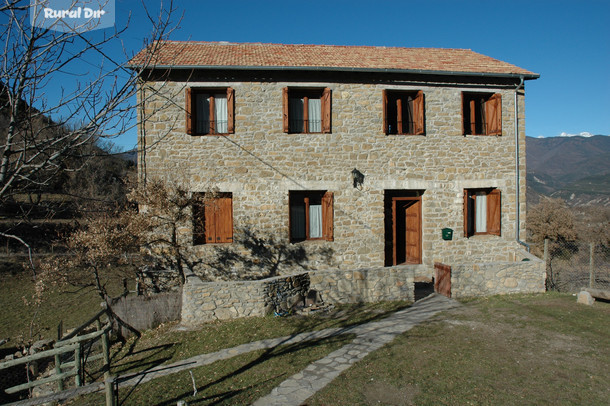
[74, 366]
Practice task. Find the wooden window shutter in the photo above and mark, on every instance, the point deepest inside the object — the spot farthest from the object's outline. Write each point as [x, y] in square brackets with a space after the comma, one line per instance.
[472, 104]
[466, 213]
[285, 109]
[327, 216]
[218, 220]
[188, 107]
[212, 115]
[224, 220]
[418, 113]
[494, 212]
[230, 110]
[399, 128]
[493, 114]
[385, 112]
[326, 110]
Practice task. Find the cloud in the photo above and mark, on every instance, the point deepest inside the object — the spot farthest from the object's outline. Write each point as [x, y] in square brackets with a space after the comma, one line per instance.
[582, 134]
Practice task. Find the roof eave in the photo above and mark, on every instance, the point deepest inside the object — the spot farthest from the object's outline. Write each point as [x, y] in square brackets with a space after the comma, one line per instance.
[526, 76]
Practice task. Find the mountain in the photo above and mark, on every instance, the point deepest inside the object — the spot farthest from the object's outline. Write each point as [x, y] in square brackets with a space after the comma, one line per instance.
[576, 169]
[130, 156]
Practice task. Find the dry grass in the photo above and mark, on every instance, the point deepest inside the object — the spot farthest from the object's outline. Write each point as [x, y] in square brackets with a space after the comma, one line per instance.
[543, 349]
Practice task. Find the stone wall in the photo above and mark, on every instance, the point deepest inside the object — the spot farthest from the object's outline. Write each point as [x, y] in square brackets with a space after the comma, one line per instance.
[502, 277]
[260, 164]
[207, 301]
[364, 285]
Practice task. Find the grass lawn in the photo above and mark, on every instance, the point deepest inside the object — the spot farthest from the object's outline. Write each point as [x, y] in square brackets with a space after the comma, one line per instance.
[167, 344]
[504, 350]
[23, 321]
[239, 380]
[518, 349]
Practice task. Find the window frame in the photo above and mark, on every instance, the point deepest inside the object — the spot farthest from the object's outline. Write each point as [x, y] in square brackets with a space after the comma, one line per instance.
[493, 212]
[212, 218]
[191, 109]
[418, 111]
[481, 113]
[325, 94]
[327, 211]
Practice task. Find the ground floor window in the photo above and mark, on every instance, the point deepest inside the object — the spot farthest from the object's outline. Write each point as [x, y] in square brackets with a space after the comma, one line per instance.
[482, 211]
[311, 215]
[213, 219]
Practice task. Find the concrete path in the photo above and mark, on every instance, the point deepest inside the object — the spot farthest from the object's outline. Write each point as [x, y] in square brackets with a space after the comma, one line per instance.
[296, 389]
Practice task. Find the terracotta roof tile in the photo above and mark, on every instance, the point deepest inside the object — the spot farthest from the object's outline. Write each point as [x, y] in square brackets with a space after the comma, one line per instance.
[212, 54]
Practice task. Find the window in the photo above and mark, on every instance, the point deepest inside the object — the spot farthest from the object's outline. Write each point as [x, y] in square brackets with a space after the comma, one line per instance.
[306, 110]
[213, 219]
[311, 215]
[403, 112]
[482, 211]
[482, 113]
[210, 111]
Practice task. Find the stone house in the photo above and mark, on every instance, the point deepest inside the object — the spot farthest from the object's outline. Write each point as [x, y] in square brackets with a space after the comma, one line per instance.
[386, 159]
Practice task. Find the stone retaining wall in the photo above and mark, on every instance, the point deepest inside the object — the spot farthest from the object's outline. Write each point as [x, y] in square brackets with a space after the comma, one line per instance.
[207, 301]
[365, 285]
[493, 278]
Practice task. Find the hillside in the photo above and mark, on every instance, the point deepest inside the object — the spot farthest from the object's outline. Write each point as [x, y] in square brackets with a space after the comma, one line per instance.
[576, 169]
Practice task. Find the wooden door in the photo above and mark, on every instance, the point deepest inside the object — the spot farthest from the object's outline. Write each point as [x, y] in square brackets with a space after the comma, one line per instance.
[406, 230]
[413, 232]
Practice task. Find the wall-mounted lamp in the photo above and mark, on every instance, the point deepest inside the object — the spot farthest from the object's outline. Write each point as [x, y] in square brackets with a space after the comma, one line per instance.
[358, 178]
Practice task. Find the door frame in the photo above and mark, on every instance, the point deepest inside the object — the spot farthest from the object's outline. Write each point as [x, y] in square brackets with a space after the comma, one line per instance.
[418, 201]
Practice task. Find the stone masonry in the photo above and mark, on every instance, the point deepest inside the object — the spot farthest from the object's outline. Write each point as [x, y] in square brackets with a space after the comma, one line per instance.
[260, 164]
[502, 277]
[207, 301]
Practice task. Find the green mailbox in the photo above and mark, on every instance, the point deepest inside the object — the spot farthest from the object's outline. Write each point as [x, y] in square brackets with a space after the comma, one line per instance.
[447, 234]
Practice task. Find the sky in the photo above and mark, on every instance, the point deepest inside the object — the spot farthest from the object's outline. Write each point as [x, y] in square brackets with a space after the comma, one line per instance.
[566, 42]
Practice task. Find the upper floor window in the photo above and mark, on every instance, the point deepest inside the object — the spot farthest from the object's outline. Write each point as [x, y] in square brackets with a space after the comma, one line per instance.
[482, 212]
[482, 113]
[403, 112]
[210, 111]
[306, 110]
[311, 215]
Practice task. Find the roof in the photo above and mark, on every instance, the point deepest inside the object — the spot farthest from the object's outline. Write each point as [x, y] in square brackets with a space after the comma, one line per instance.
[190, 54]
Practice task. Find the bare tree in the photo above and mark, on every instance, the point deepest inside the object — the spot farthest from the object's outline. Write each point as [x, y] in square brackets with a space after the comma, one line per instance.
[552, 219]
[149, 232]
[42, 134]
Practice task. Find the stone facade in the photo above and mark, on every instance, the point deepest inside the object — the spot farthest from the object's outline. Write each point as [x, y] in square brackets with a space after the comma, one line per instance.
[260, 164]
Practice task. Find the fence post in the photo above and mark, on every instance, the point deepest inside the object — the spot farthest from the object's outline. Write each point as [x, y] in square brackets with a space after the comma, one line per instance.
[109, 390]
[549, 278]
[591, 268]
[77, 365]
[60, 382]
